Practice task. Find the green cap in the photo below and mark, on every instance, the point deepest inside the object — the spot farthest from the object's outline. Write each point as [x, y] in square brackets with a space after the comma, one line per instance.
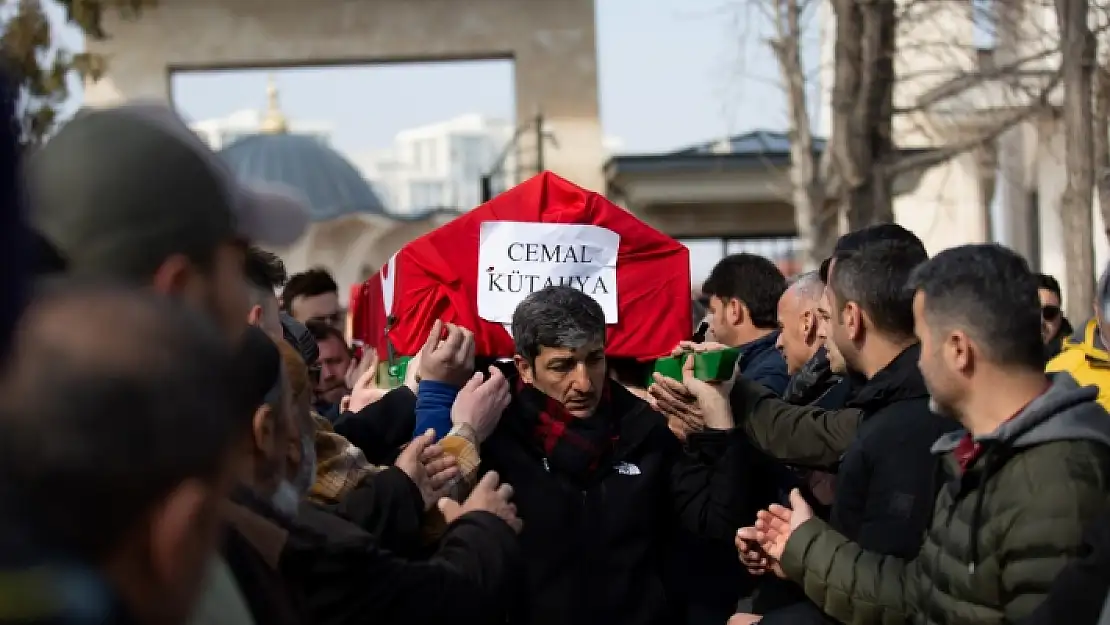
[118, 191]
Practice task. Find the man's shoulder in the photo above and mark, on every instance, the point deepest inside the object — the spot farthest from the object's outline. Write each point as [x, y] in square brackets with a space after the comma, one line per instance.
[911, 412]
[768, 368]
[1063, 457]
[1079, 471]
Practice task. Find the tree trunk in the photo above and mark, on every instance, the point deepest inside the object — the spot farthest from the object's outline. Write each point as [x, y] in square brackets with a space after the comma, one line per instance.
[1100, 134]
[862, 108]
[807, 188]
[1077, 65]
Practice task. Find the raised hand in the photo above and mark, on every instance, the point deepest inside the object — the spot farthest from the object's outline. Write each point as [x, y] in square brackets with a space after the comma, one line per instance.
[428, 467]
[776, 524]
[481, 403]
[752, 555]
[357, 368]
[447, 357]
[712, 398]
[489, 496]
[364, 392]
[678, 404]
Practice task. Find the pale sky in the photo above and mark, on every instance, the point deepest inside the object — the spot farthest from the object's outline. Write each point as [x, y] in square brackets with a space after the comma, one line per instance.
[672, 73]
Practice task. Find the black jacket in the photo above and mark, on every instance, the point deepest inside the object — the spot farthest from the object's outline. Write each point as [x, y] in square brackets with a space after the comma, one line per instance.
[710, 576]
[330, 572]
[783, 601]
[598, 555]
[387, 505]
[381, 428]
[887, 479]
[816, 384]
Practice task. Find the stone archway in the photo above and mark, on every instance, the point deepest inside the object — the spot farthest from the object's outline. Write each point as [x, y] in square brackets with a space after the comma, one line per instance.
[552, 44]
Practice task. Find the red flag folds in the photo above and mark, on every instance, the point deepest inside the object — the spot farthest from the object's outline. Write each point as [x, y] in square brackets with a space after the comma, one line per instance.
[437, 276]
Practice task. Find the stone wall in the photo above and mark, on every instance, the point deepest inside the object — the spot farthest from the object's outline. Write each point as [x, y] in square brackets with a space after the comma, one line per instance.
[552, 44]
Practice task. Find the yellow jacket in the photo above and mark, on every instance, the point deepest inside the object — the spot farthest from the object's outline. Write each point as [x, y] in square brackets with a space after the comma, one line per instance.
[1084, 356]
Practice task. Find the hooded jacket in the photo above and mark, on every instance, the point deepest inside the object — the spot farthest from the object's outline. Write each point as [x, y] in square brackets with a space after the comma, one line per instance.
[1001, 530]
[1084, 356]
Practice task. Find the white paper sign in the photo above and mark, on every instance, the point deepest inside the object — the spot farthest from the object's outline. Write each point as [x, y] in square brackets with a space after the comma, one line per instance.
[389, 284]
[517, 258]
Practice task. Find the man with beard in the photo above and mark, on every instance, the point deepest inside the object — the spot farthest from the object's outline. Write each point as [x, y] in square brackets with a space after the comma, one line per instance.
[297, 563]
[336, 365]
[886, 481]
[802, 343]
[1025, 476]
[1079, 595]
[1055, 327]
[810, 435]
[601, 481]
[130, 194]
[802, 338]
[1084, 355]
[119, 417]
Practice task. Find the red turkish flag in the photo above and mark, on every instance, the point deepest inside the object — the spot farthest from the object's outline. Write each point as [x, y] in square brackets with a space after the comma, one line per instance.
[437, 276]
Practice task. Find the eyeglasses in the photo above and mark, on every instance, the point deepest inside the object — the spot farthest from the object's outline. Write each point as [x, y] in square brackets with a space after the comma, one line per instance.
[1050, 313]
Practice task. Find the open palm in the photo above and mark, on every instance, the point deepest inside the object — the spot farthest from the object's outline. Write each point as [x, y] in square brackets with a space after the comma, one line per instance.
[776, 524]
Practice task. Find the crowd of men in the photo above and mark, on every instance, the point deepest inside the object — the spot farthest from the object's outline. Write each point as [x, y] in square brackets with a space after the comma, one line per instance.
[188, 436]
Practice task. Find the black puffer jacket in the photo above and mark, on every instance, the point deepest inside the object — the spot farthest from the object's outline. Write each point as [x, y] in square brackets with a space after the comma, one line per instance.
[598, 555]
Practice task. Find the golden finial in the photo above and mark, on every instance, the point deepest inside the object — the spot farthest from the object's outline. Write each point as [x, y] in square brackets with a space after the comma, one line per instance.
[273, 122]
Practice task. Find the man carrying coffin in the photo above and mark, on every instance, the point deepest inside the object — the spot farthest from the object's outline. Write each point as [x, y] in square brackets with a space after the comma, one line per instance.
[598, 479]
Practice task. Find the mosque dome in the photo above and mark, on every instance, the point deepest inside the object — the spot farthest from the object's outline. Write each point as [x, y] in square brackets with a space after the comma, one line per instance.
[330, 183]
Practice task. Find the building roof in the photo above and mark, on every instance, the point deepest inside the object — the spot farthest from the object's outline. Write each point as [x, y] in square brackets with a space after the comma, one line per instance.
[330, 183]
[760, 148]
[758, 142]
[332, 186]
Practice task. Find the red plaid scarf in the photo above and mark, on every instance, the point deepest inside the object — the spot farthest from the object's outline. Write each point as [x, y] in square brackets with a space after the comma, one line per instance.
[573, 446]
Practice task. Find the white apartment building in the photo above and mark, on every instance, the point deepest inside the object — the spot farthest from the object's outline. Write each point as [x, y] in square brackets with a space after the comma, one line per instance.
[441, 165]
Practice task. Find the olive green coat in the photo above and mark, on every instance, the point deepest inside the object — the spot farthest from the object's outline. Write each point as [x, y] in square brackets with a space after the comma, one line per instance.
[1001, 531]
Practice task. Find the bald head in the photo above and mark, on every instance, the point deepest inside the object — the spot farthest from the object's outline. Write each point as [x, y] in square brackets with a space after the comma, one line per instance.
[797, 313]
[803, 292]
[121, 392]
